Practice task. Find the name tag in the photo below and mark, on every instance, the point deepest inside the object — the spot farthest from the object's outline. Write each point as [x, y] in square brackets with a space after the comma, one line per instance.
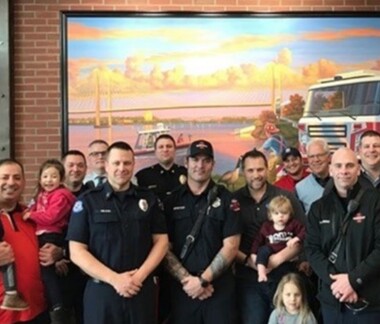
[179, 207]
[325, 221]
[105, 211]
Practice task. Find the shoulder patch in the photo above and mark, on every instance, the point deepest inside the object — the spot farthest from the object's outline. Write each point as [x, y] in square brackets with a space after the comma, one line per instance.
[78, 206]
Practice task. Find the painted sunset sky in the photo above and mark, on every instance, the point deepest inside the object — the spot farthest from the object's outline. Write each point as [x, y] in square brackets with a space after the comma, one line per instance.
[162, 61]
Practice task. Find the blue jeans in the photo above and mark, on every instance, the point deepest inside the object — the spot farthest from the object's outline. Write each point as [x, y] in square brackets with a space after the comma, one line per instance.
[254, 300]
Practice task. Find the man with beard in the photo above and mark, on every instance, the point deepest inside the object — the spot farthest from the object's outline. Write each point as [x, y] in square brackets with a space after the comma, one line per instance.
[369, 151]
[343, 245]
[294, 168]
[311, 188]
[203, 287]
[255, 299]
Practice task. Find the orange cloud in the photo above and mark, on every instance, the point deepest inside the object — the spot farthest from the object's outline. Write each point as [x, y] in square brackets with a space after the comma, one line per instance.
[333, 35]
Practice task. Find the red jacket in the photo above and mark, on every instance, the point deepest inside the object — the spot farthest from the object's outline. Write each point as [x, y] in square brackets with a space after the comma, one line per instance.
[21, 236]
[288, 183]
[51, 212]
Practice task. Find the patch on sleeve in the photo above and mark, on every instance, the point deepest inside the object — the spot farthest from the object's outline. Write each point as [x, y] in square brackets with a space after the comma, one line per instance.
[78, 207]
[234, 205]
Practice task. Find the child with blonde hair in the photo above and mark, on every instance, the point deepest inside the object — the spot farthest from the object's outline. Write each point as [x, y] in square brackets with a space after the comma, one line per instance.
[278, 232]
[290, 302]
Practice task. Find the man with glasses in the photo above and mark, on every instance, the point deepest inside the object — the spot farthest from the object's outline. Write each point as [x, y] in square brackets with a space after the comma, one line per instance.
[311, 188]
[97, 150]
[343, 245]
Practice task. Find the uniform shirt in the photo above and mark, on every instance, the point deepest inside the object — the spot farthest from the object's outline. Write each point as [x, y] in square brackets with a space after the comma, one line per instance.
[160, 180]
[117, 227]
[83, 188]
[254, 214]
[181, 209]
[367, 181]
[21, 236]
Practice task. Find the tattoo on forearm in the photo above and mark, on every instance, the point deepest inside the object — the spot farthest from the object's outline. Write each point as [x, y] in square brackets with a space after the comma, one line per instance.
[218, 265]
[174, 267]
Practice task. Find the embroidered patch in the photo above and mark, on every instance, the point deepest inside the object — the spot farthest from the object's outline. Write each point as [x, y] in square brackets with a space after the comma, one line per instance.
[78, 207]
[234, 205]
[143, 205]
[358, 218]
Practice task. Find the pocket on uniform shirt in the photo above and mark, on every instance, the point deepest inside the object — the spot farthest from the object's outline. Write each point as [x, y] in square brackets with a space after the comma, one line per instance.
[106, 224]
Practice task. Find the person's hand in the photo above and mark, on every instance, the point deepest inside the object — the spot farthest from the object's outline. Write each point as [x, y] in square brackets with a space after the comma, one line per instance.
[305, 267]
[192, 286]
[61, 267]
[293, 241]
[26, 215]
[49, 254]
[207, 292]
[341, 288]
[6, 254]
[125, 285]
[251, 261]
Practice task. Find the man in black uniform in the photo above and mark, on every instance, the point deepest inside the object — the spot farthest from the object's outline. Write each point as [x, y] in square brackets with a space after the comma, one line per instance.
[343, 245]
[255, 299]
[117, 235]
[203, 284]
[369, 151]
[165, 175]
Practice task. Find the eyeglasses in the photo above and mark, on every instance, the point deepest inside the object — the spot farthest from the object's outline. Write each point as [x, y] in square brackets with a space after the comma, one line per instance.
[359, 306]
[101, 153]
[317, 156]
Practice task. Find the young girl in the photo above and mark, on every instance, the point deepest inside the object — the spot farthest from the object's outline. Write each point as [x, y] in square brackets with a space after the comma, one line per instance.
[51, 212]
[280, 231]
[290, 302]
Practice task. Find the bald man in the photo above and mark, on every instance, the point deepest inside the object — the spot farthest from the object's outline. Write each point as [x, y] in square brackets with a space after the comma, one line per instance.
[343, 245]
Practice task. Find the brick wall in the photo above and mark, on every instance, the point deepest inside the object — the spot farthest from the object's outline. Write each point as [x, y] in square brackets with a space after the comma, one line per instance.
[37, 96]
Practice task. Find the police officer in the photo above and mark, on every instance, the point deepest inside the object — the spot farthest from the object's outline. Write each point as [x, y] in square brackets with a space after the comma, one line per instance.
[118, 236]
[165, 175]
[203, 284]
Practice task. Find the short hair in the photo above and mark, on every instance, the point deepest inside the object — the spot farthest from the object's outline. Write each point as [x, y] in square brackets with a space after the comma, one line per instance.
[120, 145]
[368, 133]
[164, 136]
[9, 161]
[98, 141]
[73, 152]
[280, 203]
[254, 154]
[318, 141]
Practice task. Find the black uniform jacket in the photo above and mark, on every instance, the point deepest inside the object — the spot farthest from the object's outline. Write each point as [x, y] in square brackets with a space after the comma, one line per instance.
[359, 255]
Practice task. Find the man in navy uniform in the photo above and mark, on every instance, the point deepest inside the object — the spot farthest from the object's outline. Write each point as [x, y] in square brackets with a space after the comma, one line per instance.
[117, 235]
[203, 285]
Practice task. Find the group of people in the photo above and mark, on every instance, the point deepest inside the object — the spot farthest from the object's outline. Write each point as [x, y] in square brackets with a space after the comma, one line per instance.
[174, 235]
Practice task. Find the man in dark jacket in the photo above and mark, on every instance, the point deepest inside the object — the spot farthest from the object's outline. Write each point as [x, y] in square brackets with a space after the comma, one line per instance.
[348, 271]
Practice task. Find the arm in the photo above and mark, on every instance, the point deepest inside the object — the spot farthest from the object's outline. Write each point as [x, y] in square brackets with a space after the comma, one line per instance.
[286, 254]
[122, 283]
[49, 254]
[220, 263]
[174, 266]
[157, 253]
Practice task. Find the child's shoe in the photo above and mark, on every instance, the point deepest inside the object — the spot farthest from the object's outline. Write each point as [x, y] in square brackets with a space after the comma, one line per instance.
[13, 301]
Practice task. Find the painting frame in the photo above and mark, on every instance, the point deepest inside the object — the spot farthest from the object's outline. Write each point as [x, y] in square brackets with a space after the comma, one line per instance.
[166, 19]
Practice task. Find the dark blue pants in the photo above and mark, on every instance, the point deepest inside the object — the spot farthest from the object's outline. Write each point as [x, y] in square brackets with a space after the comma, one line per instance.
[345, 316]
[49, 276]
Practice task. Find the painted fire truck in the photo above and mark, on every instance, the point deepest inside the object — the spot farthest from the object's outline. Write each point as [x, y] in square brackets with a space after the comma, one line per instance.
[340, 109]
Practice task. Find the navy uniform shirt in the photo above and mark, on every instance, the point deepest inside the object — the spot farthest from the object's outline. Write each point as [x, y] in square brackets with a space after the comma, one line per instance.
[160, 180]
[254, 214]
[117, 227]
[182, 209]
